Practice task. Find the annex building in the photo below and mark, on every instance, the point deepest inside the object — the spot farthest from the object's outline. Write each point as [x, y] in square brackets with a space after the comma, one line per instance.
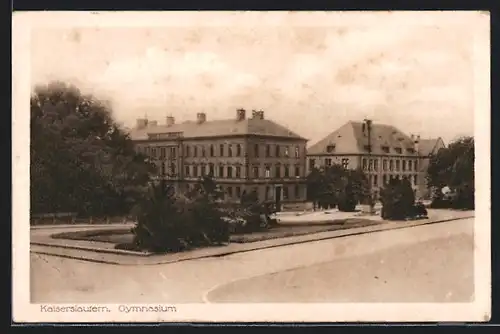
[383, 153]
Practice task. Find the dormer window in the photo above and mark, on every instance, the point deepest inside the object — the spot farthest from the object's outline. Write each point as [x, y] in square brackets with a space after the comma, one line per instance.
[367, 148]
[330, 148]
[398, 150]
[410, 150]
[385, 149]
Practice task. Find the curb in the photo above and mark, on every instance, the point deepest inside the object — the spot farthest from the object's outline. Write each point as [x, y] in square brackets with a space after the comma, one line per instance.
[229, 252]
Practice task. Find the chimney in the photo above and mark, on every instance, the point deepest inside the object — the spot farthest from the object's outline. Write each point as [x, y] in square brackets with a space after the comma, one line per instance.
[417, 142]
[255, 113]
[201, 117]
[260, 114]
[153, 123]
[412, 136]
[170, 120]
[240, 114]
[141, 123]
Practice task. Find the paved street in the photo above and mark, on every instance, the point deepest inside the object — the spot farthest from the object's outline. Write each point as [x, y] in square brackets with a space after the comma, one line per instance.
[429, 263]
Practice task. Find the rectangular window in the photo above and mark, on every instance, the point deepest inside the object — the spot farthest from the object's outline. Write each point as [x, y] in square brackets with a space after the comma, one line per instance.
[410, 165]
[375, 164]
[277, 172]
[256, 150]
[162, 169]
[238, 172]
[238, 192]
[370, 165]
[285, 192]
[297, 171]
[195, 151]
[174, 152]
[398, 150]
[397, 165]
[147, 150]
[211, 169]
[238, 150]
[221, 171]
[287, 154]
[266, 195]
[415, 165]
[384, 179]
[287, 171]
[312, 164]
[230, 192]
[212, 150]
[415, 179]
[221, 150]
[384, 165]
[375, 180]
[203, 153]
[163, 152]
[229, 150]
[195, 170]
[173, 169]
[188, 151]
[328, 162]
[365, 165]
[229, 171]
[391, 165]
[297, 153]
[256, 172]
[186, 170]
[153, 152]
[268, 151]
[268, 171]
[403, 166]
[297, 191]
[277, 151]
[345, 163]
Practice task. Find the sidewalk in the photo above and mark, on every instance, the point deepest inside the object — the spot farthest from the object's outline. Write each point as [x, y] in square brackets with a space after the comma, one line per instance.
[42, 243]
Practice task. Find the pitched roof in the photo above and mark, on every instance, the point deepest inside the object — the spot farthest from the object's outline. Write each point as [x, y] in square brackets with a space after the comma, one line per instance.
[219, 128]
[429, 146]
[351, 139]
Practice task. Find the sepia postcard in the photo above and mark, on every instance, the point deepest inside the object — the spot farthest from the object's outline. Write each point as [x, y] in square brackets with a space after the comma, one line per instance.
[251, 167]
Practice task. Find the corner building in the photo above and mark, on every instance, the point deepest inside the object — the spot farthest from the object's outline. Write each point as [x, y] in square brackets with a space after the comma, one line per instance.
[387, 154]
[243, 154]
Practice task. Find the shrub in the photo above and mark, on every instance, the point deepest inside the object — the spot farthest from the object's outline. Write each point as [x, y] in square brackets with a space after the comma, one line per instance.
[397, 200]
[166, 223]
[347, 199]
[159, 225]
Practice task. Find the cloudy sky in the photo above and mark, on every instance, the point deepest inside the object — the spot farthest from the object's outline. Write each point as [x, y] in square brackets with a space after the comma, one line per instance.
[309, 71]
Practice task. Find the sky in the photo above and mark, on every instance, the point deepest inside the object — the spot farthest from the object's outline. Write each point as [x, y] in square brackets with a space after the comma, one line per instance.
[311, 72]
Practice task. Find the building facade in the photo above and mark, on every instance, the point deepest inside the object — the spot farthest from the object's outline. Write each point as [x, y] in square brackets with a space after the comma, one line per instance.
[382, 151]
[243, 154]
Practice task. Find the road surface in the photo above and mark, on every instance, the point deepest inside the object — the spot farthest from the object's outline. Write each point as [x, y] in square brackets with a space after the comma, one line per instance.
[430, 263]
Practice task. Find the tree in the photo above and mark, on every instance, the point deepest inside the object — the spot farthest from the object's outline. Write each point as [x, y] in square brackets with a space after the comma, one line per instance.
[336, 185]
[454, 167]
[81, 160]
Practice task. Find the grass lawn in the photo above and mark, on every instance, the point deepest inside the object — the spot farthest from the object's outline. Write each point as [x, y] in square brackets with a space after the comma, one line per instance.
[124, 235]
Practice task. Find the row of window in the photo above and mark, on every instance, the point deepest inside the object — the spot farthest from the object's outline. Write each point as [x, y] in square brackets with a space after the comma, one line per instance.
[288, 192]
[235, 171]
[224, 150]
[328, 163]
[391, 165]
[160, 152]
[374, 180]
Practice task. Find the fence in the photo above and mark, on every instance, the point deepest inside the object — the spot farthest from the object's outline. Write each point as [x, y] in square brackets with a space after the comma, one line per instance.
[72, 218]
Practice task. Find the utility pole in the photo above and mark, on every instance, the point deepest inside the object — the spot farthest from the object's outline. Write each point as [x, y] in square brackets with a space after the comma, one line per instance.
[368, 127]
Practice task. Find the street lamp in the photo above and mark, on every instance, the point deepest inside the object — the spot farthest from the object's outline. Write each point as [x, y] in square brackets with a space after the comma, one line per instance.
[367, 127]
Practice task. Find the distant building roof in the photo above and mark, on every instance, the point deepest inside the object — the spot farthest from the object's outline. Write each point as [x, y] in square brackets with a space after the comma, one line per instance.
[218, 128]
[429, 146]
[351, 139]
